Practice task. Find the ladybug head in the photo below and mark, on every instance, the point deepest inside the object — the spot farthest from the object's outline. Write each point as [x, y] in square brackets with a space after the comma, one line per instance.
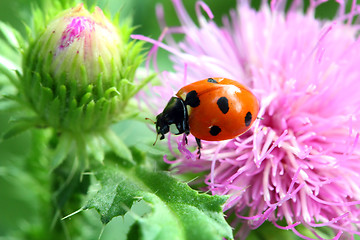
[174, 118]
[162, 127]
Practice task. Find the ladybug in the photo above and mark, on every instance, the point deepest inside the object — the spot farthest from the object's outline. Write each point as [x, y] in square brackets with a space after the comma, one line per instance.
[212, 109]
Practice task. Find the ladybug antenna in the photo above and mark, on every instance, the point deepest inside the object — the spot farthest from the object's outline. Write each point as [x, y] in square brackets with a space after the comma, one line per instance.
[261, 118]
[157, 137]
[150, 120]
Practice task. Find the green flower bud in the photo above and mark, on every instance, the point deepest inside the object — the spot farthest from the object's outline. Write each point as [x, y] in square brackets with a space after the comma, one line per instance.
[82, 45]
[78, 73]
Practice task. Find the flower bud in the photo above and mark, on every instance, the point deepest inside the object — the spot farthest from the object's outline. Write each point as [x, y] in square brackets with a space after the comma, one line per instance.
[82, 45]
[74, 73]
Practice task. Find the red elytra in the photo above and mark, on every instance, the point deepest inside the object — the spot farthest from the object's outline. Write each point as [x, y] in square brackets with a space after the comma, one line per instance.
[226, 110]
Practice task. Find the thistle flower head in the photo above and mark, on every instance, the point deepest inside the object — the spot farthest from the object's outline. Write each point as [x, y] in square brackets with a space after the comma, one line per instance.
[301, 163]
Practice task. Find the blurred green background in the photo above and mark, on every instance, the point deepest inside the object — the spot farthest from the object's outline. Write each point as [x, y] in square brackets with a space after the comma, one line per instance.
[19, 195]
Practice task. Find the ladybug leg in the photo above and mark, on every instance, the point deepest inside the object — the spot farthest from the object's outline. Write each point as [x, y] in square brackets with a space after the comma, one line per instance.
[198, 142]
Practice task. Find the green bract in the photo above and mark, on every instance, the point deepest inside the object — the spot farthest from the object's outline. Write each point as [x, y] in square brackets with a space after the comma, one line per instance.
[78, 73]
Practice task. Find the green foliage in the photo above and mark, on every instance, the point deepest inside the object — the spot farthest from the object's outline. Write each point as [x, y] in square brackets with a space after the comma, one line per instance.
[327, 10]
[177, 212]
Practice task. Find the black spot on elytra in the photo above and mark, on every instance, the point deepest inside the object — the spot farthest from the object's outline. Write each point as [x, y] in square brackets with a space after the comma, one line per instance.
[215, 130]
[248, 118]
[211, 80]
[223, 104]
[192, 99]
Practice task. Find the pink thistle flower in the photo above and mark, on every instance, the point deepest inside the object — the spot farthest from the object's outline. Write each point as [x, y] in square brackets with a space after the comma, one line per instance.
[301, 162]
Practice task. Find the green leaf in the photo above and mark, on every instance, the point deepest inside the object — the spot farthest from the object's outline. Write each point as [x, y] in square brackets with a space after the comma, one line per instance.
[177, 211]
[117, 145]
